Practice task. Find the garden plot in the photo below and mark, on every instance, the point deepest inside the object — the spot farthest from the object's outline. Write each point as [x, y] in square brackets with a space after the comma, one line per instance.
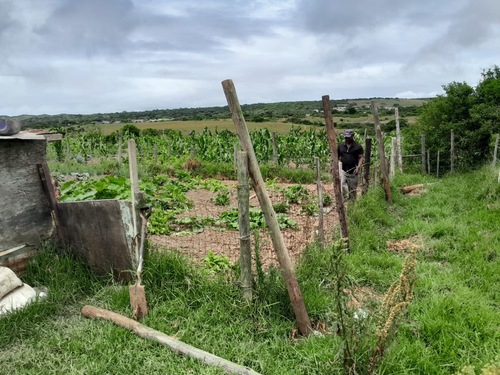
[198, 242]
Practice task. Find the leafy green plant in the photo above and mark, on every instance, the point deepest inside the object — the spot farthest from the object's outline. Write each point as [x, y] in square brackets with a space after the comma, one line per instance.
[281, 207]
[257, 220]
[216, 263]
[327, 200]
[296, 194]
[222, 198]
[310, 208]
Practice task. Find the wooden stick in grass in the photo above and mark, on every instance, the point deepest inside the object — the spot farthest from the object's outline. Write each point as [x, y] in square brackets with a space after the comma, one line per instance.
[177, 346]
[292, 285]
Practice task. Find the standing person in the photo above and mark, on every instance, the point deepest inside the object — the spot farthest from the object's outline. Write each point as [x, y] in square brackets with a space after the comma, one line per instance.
[351, 156]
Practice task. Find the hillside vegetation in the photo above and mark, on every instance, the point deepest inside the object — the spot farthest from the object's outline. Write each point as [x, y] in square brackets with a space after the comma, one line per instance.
[259, 112]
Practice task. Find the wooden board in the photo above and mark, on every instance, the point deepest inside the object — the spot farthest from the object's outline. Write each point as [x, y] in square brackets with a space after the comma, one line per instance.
[100, 233]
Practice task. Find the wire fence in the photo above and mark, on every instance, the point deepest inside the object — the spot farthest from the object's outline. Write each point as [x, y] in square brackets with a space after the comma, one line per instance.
[300, 225]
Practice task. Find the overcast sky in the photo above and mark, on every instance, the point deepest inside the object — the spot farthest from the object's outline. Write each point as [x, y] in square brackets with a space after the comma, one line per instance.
[100, 56]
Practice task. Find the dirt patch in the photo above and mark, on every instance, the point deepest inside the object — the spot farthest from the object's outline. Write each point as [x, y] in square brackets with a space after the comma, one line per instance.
[405, 245]
[226, 242]
[362, 296]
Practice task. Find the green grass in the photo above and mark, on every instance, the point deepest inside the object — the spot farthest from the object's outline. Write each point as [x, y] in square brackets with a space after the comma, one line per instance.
[452, 322]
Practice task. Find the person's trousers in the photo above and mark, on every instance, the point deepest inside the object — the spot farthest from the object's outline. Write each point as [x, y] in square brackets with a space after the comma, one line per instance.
[349, 185]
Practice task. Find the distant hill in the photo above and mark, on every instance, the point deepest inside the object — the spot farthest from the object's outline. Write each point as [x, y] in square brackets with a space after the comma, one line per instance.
[258, 112]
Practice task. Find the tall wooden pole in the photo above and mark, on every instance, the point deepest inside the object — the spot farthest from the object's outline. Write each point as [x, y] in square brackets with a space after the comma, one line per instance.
[495, 151]
[334, 159]
[244, 226]
[392, 163]
[437, 165]
[135, 194]
[398, 141]
[422, 151]
[319, 187]
[367, 163]
[452, 151]
[292, 285]
[428, 161]
[381, 153]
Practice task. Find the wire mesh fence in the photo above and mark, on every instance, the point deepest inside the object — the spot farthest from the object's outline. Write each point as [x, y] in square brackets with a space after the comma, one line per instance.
[299, 224]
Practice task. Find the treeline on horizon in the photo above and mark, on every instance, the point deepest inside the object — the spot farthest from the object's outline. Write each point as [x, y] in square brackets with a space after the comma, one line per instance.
[295, 112]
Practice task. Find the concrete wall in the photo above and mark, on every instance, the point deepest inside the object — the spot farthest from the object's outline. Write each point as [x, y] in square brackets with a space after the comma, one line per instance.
[25, 216]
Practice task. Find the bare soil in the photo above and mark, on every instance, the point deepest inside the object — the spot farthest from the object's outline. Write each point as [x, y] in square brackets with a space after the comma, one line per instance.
[226, 242]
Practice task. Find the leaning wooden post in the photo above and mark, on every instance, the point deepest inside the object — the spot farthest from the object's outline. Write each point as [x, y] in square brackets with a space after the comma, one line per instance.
[398, 141]
[173, 343]
[334, 158]
[392, 160]
[367, 162]
[452, 151]
[495, 150]
[244, 226]
[319, 187]
[292, 285]
[381, 153]
[422, 151]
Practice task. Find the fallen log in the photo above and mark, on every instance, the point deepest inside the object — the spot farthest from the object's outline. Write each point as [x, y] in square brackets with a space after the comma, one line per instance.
[176, 345]
[409, 189]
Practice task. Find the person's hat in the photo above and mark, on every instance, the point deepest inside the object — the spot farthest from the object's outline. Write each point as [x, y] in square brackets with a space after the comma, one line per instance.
[348, 133]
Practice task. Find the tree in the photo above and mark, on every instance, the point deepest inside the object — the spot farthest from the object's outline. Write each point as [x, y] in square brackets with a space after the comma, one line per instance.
[473, 115]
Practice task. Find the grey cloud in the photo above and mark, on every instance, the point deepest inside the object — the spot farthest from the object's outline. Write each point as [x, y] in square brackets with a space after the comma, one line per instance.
[89, 27]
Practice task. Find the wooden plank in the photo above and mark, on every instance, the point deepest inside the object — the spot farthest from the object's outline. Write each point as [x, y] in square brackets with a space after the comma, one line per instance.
[100, 233]
[48, 187]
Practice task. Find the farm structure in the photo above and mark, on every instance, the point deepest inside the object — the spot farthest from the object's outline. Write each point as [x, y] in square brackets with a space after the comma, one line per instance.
[97, 231]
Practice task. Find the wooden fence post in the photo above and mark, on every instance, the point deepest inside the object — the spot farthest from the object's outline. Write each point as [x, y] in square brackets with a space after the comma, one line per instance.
[392, 160]
[136, 195]
[428, 161]
[437, 165]
[319, 187]
[334, 159]
[244, 226]
[452, 151]
[367, 162]
[381, 153]
[422, 151]
[292, 285]
[398, 141]
[495, 150]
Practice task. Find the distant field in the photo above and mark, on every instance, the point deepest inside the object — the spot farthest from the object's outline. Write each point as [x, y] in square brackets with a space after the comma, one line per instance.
[198, 126]
[277, 126]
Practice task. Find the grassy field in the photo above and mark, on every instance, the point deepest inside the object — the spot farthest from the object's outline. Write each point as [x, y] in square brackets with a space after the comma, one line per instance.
[451, 325]
[198, 126]
[342, 122]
